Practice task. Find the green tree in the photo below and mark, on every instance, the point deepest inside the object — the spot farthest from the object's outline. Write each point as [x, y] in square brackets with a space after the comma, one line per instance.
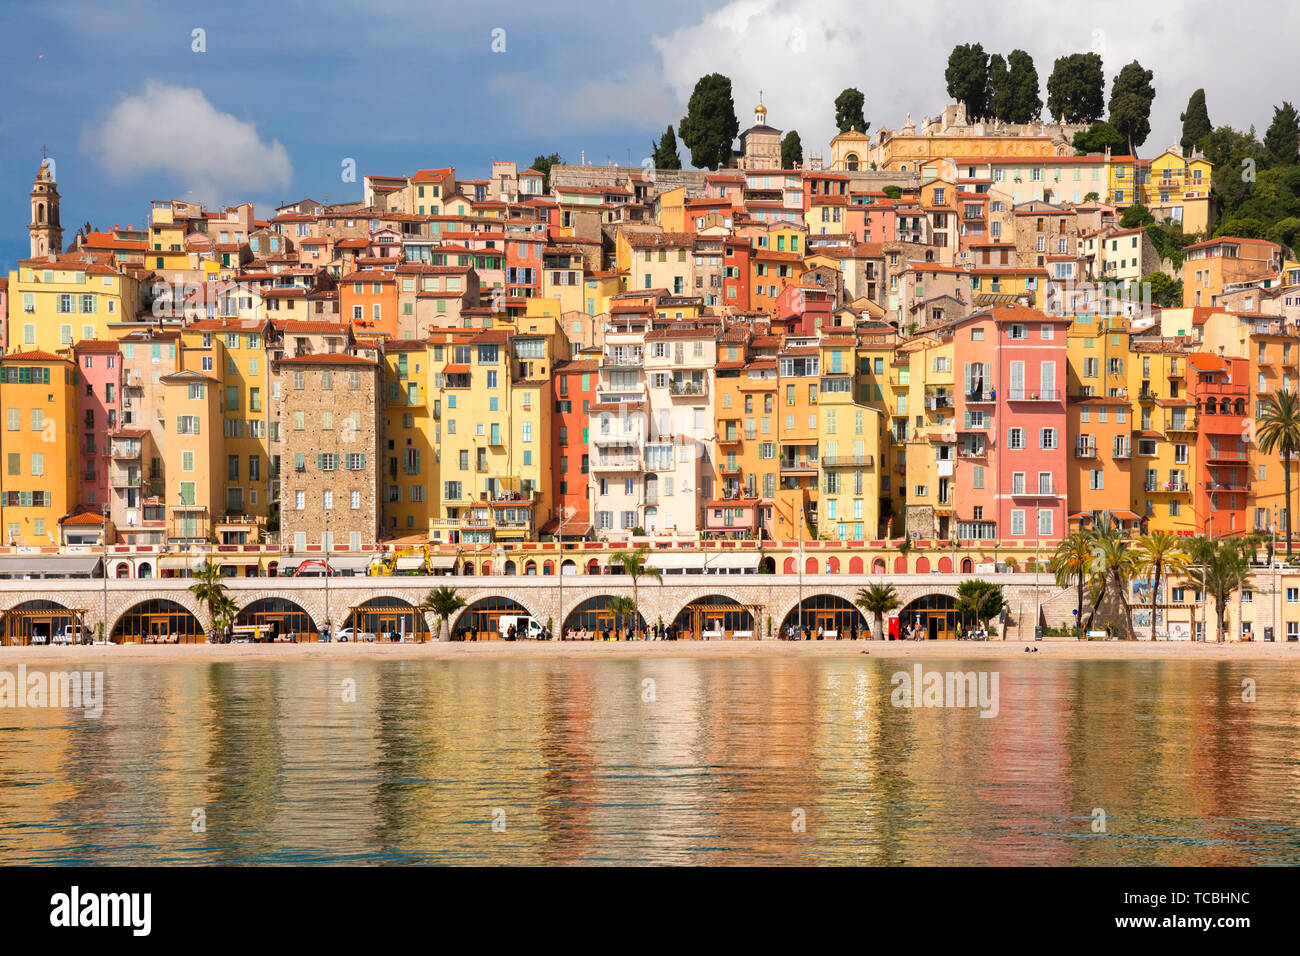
[543, 165]
[1076, 89]
[1159, 555]
[1286, 232]
[1196, 122]
[1091, 196]
[1244, 227]
[1278, 431]
[1219, 569]
[665, 154]
[1282, 138]
[878, 600]
[1234, 154]
[209, 587]
[791, 150]
[892, 191]
[1165, 291]
[1069, 565]
[710, 124]
[1131, 96]
[967, 77]
[1098, 138]
[1136, 215]
[1021, 102]
[443, 601]
[849, 111]
[1111, 569]
[999, 87]
[636, 565]
[979, 601]
[623, 608]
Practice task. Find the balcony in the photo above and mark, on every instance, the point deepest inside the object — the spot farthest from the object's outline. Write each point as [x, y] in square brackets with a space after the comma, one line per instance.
[935, 402]
[848, 461]
[688, 389]
[126, 450]
[619, 359]
[124, 481]
[1162, 487]
[1222, 455]
[730, 468]
[1033, 395]
[980, 452]
[615, 439]
[616, 463]
[1085, 451]
[1038, 491]
[799, 466]
[1188, 424]
[981, 397]
[1125, 451]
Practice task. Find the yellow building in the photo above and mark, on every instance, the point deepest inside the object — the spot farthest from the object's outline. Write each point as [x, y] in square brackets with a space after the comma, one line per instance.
[1099, 471]
[1177, 187]
[850, 439]
[1164, 465]
[38, 468]
[55, 304]
[931, 442]
[410, 465]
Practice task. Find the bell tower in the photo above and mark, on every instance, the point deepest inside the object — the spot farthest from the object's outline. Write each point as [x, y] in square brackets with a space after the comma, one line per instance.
[45, 230]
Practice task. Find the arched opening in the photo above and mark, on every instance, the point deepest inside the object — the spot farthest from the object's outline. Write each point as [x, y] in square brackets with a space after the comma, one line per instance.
[767, 565]
[878, 566]
[836, 617]
[855, 565]
[568, 567]
[851, 162]
[593, 566]
[791, 567]
[40, 212]
[945, 565]
[278, 617]
[123, 570]
[832, 565]
[38, 622]
[486, 569]
[467, 568]
[145, 570]
[933, 617]
[922, 565]
[530, 568]
[651, 513]
[715, 618]
[900, 565]
[481, 621]
[967, 566]
[157, 621]
[388, 618]
[810, 566]
[595, 618]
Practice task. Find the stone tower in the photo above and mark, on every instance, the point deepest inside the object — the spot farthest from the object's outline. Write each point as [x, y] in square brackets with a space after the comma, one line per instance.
[45, 229]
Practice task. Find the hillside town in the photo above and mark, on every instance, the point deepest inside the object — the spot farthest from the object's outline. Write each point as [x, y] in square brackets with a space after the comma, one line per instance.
[930, 349]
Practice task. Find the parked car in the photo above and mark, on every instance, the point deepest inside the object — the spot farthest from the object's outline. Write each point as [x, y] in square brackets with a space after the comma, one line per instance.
[72, 634]
[346, 634]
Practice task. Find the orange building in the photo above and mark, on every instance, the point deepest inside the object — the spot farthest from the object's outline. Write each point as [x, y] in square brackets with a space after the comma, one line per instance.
[368, 298]
[1221, 391]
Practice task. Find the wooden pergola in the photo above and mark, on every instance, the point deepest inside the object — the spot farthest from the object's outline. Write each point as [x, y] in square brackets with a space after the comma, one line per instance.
[16, 623]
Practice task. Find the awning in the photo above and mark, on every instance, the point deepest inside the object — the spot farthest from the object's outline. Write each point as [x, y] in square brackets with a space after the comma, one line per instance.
[676, 561]
[733, 559]
[237, 560]
[49, 566]
[442, 562]
[409, 562]
[183, 562]
[350, 562]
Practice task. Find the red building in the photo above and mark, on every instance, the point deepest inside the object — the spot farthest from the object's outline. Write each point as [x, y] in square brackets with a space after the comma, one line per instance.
[735, 273]
[1220, 387]
[573, 390]
[99, 412]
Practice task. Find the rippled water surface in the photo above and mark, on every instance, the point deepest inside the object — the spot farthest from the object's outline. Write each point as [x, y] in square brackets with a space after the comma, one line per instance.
[576, 765]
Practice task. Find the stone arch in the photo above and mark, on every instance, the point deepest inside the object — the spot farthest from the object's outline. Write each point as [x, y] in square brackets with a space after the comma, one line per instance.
[388, 613]
[480, 617]
[719, 614]
[827, 608]
[289, 616]
[936, 612]
[44, 618]
[526, 599]
[147, 618]
[592, 613]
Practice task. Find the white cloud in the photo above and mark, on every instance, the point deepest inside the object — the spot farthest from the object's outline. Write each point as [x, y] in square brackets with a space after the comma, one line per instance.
[801, 53]
[176, 132]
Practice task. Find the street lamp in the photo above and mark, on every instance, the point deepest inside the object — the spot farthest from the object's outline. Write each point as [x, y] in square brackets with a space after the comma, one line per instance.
[566, 513]
[103, 543]
[329, 546]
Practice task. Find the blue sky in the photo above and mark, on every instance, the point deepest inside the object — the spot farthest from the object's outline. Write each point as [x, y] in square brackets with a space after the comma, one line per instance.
[287, 90]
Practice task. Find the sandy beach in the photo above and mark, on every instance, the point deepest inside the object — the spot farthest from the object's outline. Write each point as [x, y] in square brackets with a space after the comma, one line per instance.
[498, 650]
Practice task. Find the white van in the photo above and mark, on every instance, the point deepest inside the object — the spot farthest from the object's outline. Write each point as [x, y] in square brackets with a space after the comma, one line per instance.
[526, 628]
[72, 634]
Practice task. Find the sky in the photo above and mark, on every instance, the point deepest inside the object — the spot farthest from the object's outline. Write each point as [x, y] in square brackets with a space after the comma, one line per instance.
[270, 100]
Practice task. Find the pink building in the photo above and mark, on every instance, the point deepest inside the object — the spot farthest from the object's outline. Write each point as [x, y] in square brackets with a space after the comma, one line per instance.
[1011, 425]
[4, 314]
[99, 412]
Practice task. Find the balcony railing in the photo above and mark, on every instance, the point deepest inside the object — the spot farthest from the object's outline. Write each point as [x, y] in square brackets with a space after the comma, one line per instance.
[848, 461]
[1085, 451]
[687, 389]
[1033, 395]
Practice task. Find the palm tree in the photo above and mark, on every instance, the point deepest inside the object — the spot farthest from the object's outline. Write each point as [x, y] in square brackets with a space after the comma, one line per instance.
[878, 600]
[1160, 554]
[1222, 572]
[1111, 566]
[1070, 566]
[209, 587]
[636, 564]
[624, 609]
[443, 601]
[980, 601]
[1279, 430]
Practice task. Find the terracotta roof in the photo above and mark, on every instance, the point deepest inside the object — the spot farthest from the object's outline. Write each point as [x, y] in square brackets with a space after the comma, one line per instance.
[329, 358]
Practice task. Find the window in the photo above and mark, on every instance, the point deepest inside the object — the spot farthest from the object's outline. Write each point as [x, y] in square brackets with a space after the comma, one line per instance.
[1016, 438]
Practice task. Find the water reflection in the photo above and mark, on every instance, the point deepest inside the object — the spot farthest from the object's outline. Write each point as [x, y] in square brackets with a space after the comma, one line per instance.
[675, 760]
